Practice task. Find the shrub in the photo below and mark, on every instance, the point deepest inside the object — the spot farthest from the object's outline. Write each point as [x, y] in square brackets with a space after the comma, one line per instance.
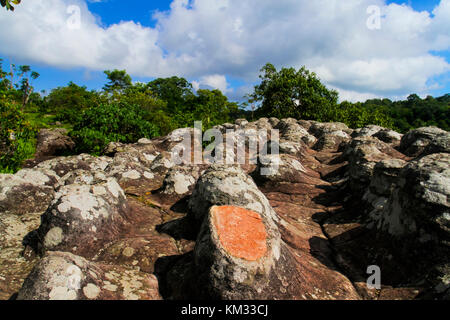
[155, 109]
[17, 138]
[105, 123]
[356, 115]
[68, 103]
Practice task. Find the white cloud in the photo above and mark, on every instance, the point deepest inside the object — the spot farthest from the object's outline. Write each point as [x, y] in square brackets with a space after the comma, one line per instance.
[215, 81]
[210, 40]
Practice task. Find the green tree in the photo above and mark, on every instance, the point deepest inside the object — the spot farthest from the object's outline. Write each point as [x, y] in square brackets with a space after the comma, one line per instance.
[25, 85]
[105, 123]
[69, 102]
[17, 137]
[293, 93]
[212, 108]
[4, 82]
[7, 4]
[155, 108]
[357, 115]
[177, 92]
[119, 80]
[21, 90]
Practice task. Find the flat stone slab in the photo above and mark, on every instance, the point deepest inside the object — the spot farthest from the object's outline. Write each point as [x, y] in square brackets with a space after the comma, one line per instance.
[241, 232]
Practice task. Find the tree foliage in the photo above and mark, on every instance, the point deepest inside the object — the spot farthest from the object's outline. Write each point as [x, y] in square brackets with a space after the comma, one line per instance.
[7, 4]
[357, 115]
[212, 108]
[174, 90]
[184, 106]
[68, 102]
[119, 81]
[17, 137]
[105, 123]
[125, 111]
[155, 108]
[300, 94]
[415, 112]
[293, 93]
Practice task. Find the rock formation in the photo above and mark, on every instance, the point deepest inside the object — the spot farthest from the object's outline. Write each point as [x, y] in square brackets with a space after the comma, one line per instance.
[53, 143]
[307, 224]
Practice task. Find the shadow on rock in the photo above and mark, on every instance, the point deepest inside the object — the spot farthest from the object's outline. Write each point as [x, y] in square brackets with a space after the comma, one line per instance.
[181, 206]
[184, 228]
[174, 274]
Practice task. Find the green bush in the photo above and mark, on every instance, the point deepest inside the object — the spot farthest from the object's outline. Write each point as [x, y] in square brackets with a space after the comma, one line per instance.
[105, 123]
[155, 108]
[17, 138]
[357, 115]
[68, 103]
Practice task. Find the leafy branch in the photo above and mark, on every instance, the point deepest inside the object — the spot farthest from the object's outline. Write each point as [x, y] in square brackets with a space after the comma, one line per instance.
[7, 4]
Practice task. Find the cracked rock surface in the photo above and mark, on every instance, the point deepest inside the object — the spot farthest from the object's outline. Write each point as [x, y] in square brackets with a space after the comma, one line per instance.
[133, 224]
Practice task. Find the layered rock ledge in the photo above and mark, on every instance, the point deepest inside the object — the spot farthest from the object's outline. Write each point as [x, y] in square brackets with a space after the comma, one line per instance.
[307, 224]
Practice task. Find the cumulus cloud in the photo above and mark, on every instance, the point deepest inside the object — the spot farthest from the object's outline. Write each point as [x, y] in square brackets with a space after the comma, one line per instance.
[210, 40]
[214, 81]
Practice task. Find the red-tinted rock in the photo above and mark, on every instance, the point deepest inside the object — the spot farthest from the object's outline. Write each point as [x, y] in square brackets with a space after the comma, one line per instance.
[241, 232]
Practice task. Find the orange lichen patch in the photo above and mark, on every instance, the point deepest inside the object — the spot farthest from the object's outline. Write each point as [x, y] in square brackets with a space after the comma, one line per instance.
[241, 232]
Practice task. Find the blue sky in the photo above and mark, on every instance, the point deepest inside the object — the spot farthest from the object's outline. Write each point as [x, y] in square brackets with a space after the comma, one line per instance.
[114, 11]
[223, 43]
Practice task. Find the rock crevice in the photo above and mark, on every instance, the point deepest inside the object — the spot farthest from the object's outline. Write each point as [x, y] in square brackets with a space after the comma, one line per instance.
[306, 224]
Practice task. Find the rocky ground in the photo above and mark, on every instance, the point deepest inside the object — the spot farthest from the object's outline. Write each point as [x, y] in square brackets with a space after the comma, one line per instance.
[133, 225]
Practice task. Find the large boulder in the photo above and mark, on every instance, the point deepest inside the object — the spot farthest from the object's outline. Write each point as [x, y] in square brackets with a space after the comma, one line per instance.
[419, 202]
[423, 141]
[23, 198]
[330, 136]
[83, 217]
[320, 128]
[178, 142]
[332, 141]
[284, 168]
[15, 261]
[133, 173]
[27, 191]
[383, 134]
[409, 203]
[389, 136]
[291, 131]
[260, 124]
[363, 153]
[239, 255]
[227, 185]
[386, 176]
[63, 165]
[180, 181]
[65, 276]
[53, 142]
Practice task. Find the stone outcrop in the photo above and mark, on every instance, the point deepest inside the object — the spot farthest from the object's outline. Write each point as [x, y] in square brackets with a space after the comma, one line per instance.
[23, 198]
[64, 276]
[63, 165]
[82, 217]
[363, 153]
[136, 224]
[239, 252]
[53, 142]
[416, 196]
[423, 141]
[27, 191]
